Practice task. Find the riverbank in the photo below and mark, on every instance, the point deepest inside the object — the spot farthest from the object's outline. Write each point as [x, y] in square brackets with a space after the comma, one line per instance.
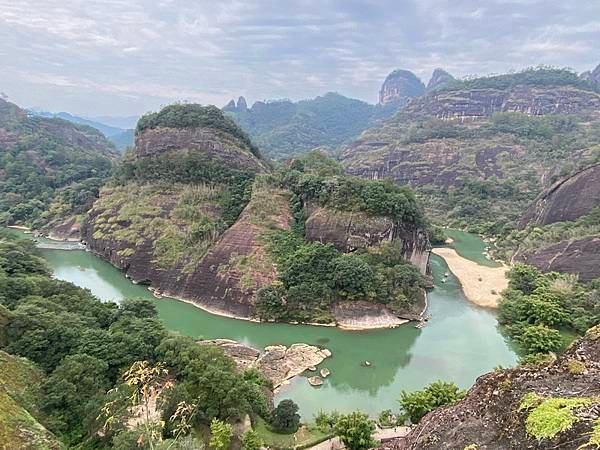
[481, 284]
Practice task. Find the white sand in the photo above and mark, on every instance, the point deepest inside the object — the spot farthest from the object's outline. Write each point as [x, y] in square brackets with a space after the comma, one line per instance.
[469, 273]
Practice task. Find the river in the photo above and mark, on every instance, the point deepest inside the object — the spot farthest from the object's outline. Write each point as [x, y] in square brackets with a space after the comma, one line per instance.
[460, 343]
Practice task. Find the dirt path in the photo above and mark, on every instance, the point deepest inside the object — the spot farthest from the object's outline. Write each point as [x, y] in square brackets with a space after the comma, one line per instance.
[481, 284]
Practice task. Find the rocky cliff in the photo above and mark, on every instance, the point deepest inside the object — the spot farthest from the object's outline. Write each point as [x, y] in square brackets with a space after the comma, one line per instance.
[349, 231]
[553, 406]
[562, 227]
[566, 200]
[178, 219]
[480, 151]
[439, 78]
[400, 87]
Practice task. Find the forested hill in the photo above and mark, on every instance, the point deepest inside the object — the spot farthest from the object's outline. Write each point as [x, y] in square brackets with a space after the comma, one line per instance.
[49, 168]
[479, 151]
[283, 128]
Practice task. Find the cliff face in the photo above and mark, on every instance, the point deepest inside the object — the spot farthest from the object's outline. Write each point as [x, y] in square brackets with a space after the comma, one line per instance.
[580, 257]
[565, 237]
[400, 87]
[567, 199]
[502, 410]
[468, 139]
[483, 102]
[348, 231]
[221, 274]
[439, 78]
[212, 144]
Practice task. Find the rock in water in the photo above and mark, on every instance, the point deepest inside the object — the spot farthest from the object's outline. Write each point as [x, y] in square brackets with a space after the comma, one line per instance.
[315, 381]
[400, 87]
[325, 372]
[278, 363]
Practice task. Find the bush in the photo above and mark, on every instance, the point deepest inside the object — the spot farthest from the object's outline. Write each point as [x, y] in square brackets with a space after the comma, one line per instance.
[251, 440]
[355, 430]
[221, 434]
[285, 417]
[419, 403]
[540, 339]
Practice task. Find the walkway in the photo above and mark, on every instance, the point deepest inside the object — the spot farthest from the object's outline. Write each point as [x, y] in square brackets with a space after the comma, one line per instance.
[383, 435]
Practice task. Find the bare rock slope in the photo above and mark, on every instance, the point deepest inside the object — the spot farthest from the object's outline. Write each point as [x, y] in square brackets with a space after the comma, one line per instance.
[522, 408]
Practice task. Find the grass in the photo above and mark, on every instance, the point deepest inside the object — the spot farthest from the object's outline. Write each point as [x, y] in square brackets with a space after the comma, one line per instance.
[306, 436]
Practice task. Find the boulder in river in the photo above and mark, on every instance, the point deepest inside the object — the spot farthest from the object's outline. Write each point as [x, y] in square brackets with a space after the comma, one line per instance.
[278, 363]
[315, 381]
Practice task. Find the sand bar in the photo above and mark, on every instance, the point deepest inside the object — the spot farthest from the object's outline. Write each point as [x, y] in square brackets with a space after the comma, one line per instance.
[469, 273]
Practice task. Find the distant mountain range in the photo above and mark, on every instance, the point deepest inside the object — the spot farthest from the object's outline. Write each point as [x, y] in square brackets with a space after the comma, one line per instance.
[118, 130]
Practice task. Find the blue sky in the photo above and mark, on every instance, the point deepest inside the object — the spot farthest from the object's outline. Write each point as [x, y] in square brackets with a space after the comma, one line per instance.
[121, 57]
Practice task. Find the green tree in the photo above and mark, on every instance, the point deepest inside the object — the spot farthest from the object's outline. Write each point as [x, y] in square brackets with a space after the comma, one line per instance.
[220, 434]
[285, 417]
[523, 278]
[417, 404]
[356, 431]
[251, 440]
[540, 339]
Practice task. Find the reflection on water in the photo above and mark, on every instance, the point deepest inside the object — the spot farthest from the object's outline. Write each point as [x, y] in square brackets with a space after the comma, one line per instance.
[459, 344]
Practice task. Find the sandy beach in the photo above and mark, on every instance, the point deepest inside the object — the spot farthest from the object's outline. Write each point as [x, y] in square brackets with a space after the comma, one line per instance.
[469, 273]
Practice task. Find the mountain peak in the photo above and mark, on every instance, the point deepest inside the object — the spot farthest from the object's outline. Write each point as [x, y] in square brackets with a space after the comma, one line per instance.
[439, 77]
[400, 87]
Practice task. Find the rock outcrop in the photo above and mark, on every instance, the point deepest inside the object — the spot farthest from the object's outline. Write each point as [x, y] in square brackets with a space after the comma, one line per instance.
[214, 145]
[439, 78]
[580, 257]
[566, 200]
[483, 102]
[500, 410]
[348, 231]
[278, 363]
[171, 233]
[400, 87]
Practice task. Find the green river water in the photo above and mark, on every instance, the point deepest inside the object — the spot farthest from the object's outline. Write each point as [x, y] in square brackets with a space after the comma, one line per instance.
[460, 343]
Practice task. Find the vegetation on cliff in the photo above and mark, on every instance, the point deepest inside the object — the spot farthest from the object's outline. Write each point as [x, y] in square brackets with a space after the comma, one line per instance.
[311, 276]
[536, 307]
[50, 168]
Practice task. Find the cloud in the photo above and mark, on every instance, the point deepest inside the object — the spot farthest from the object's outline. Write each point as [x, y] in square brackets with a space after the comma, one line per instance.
[128, 56]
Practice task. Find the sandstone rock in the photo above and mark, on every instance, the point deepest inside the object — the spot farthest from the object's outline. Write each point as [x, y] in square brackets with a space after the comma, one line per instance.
[315, 381]
[400, 87]
[241, 104]
[278, 363]
[325, 372]
[579, 257]
[439, 78]
[566, 200]
[348, 231]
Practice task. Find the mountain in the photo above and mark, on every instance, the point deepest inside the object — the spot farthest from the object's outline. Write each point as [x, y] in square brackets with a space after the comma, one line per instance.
[120, 137]
[546, 406]
[51, 169]
[479, 151]
[283, 128]
[196, 212]
[400, 87]
[122, 122]
[123, 140]
[439, 78]
[106, 130]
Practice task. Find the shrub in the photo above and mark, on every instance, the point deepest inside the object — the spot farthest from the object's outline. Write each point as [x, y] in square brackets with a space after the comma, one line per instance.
[355, 430]
[221, 434]
[419, 403]
[540, 339]
[285, 417]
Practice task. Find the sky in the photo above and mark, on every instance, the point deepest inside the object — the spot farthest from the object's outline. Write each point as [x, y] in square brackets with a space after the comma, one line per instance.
[127, 57]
